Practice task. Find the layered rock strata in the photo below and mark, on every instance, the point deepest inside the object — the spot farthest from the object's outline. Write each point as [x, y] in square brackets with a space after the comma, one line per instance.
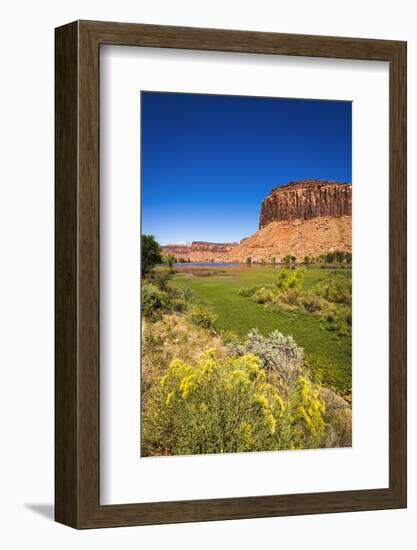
[305, 200]
[301, 218]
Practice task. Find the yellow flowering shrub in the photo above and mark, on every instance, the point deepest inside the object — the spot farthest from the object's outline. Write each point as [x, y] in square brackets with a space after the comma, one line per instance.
[225, 404]
[309, 410]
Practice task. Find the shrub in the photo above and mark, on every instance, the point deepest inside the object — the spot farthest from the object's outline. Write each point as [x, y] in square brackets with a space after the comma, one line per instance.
[290, 296]
[160, 277]
[290, 278]
[309, 413]
[311, 302]
[263, 295]
[159, 297]
[277, 353]
[249, 291]
[177, 301]
[154, 300]
[337, 289]
[224, 406]
[201, 316]
[229, 337]
[286, 288]
[282, 307]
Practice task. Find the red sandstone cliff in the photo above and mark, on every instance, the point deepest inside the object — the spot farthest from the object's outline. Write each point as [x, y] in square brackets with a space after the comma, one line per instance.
[305, 200]
[301, 218]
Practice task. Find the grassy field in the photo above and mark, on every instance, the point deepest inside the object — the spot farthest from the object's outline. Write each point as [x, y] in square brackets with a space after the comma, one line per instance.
[327, 353]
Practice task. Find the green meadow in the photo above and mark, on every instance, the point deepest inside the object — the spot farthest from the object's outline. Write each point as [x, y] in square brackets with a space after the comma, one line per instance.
[327, 352]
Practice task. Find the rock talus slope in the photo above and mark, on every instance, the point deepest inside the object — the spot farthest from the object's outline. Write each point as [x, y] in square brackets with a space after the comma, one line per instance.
[296, 237]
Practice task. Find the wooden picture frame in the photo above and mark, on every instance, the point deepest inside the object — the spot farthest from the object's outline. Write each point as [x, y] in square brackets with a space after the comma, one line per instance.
[77, 382]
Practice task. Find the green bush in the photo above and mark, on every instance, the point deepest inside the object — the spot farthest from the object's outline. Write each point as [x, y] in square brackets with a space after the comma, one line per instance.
[337, 289]
[177, 302]
[154, 300]
[160, 276]
[249, 291]
[290, 278]
[229, 337]
[282, 307]
[312, 302]
[290, 296]
[263, 295]
[201, 316]
[225, 406]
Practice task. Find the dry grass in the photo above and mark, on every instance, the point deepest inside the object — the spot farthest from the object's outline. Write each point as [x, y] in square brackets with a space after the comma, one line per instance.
[338, 419]
[173, 337]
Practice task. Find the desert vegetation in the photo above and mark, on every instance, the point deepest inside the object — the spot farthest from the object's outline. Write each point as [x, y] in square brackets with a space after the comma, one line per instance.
[244, 358]
[329, 299]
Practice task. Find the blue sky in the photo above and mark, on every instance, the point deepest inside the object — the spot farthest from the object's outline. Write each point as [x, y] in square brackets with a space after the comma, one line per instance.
[208, 161]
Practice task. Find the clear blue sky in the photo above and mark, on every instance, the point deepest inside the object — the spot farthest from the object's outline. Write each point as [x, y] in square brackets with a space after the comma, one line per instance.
[208, 161]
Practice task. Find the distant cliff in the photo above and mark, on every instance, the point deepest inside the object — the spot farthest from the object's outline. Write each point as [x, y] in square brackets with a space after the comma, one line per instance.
[199, 251]
[306, 199]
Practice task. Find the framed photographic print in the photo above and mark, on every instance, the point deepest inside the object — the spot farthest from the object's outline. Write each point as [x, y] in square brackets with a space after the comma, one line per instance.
[230, 274]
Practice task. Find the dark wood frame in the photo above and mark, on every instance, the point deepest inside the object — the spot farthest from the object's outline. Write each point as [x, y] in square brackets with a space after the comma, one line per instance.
[77, 373]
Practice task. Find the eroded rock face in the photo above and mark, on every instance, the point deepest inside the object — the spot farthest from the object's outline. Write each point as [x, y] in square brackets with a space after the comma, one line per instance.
[305, 200]
[301, 218]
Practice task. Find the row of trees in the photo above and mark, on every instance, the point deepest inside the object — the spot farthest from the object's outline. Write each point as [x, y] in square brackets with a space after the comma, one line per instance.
[337, 257]
[273, 260]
